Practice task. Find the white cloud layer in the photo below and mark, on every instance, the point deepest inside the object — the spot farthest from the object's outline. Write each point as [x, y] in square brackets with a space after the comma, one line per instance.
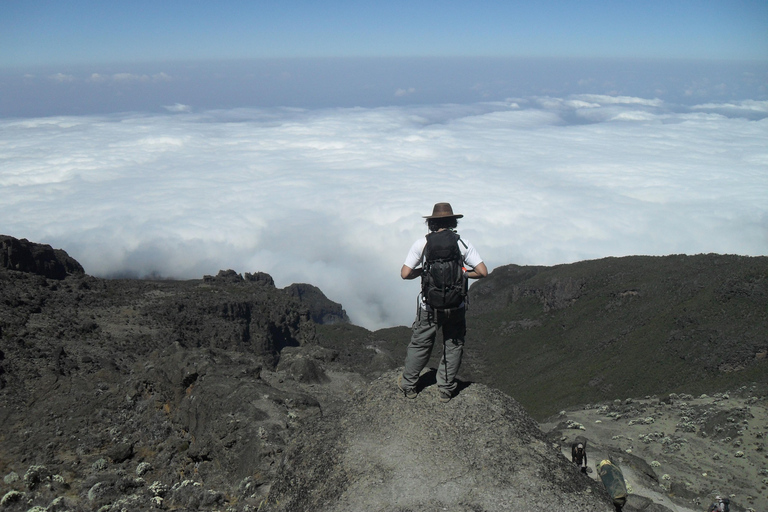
[335, 197]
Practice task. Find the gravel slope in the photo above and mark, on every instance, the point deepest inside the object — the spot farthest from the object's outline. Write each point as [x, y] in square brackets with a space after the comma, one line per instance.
[680, 451]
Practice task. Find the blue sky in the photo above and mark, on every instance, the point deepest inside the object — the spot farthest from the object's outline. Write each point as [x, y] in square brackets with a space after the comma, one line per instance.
[86, 57]
[34, 32]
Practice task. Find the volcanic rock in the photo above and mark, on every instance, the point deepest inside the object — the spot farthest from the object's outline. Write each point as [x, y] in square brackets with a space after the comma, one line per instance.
[41, 259]
[383, 452]
[135, 394]
[322, 309]
[227, 394]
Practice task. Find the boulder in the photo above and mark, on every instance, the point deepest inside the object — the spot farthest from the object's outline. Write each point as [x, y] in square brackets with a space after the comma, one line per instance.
[480, 451]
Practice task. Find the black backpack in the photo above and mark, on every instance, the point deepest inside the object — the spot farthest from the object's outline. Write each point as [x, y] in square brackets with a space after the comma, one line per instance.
[443, 285]
[579, 440]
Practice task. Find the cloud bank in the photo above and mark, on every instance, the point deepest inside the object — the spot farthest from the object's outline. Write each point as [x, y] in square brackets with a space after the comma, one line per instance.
[335, 197]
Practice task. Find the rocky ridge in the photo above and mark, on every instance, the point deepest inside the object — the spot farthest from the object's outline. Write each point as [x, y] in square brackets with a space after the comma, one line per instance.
[132, 394]
[219, 394]
[215, 394]
[323, 310]
[382, 452]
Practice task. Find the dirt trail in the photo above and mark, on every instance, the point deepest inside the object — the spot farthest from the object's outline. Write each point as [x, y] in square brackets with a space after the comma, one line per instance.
[694, 448]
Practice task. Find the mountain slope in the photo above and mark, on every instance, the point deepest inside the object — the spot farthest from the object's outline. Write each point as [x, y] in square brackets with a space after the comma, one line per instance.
[680, 450]
[620, 327]
[224, 394]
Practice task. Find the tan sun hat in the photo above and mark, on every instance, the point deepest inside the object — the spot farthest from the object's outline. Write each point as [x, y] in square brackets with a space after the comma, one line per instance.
[442, 211]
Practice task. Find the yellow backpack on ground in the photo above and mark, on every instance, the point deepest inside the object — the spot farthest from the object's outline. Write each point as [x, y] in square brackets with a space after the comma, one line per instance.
[613, 480]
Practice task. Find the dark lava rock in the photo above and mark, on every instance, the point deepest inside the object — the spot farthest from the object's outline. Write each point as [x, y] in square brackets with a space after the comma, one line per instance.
[305, 365]
[120, 452]
[322, 309]
[137, 395]
[41, 259]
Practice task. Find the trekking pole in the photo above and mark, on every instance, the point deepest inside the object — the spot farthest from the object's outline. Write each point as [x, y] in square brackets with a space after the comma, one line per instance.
[445, 358]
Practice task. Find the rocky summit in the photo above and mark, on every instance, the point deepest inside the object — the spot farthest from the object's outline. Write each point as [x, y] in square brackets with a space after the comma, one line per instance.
[383, 452]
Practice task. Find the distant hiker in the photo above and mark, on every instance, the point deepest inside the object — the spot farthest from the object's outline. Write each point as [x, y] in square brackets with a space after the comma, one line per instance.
[613, 480]
[579, 455]
[720, 505]
[444, 261]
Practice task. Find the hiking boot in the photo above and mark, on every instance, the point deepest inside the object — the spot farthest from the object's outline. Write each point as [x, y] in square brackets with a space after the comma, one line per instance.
[410, 392]
[445, 396]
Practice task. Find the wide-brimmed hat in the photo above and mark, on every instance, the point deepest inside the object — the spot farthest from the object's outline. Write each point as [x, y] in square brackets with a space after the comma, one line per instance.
[442, 211]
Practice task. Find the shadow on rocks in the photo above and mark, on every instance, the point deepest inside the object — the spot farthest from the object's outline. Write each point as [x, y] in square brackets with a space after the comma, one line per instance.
[429, 378]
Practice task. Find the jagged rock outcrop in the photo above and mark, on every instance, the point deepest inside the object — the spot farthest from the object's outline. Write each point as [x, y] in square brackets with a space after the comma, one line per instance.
[232, 313]
[41, 259]
[132, 394]
[322, 309]
[383, 452]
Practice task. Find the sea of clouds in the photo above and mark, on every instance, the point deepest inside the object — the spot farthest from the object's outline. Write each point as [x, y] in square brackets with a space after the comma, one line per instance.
[335, 197]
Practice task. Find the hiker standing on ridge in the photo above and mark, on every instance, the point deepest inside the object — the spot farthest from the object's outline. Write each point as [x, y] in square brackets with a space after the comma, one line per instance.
[444, 262]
